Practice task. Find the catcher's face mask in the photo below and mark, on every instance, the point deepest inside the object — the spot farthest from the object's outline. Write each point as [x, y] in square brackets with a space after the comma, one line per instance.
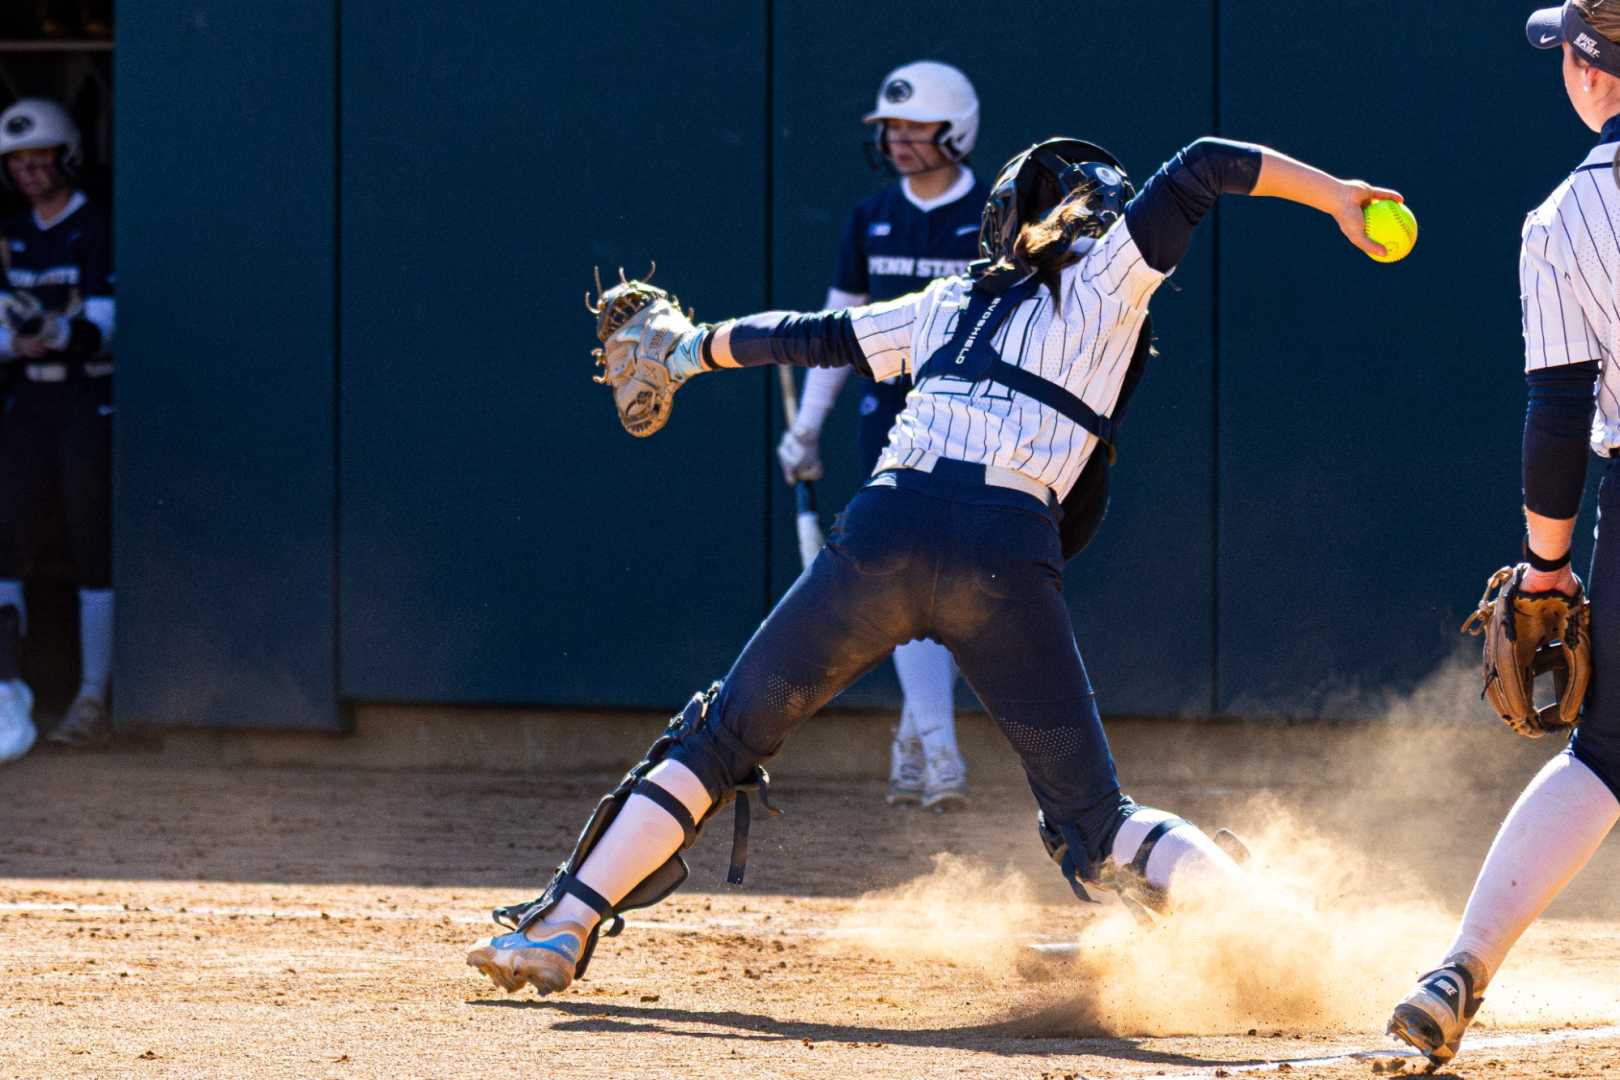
[1047, 175]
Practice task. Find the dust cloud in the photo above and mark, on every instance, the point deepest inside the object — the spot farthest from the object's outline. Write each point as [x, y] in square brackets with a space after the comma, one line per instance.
[1339, 910]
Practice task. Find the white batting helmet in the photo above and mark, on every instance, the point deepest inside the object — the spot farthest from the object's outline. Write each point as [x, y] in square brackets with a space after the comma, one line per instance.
[928, 91]
[36, 123]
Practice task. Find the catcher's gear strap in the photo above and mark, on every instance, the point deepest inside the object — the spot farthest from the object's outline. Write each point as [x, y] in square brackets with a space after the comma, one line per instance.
[1086, 504]
[670, 805]
[672, 874]
[970, 355]
[1067, 848]
[757, 782]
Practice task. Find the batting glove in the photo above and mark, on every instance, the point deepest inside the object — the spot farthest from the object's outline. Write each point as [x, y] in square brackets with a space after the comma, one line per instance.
[799, 454]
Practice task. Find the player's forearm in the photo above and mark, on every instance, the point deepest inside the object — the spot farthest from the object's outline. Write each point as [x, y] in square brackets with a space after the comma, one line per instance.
[1282, 177]
[821, 339]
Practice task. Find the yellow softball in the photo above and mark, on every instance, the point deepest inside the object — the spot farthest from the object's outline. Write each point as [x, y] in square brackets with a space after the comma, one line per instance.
[1391, 224]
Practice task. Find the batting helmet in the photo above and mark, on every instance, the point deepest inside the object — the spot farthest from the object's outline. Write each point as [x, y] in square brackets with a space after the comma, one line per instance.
[37, 123]
[1035, 181]
[929, 92]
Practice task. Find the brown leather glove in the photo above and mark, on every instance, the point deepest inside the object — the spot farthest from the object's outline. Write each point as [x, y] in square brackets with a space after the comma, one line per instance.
[1528, 634]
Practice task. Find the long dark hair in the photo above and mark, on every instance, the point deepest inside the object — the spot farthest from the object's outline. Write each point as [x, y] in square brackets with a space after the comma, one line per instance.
[1046, 246]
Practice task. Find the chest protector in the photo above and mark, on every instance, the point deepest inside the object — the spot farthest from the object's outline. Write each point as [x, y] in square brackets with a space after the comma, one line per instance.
[970, 355]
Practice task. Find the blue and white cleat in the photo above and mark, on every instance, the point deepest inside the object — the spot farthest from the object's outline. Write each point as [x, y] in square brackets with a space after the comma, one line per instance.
[546, 961]
[1436, 1012]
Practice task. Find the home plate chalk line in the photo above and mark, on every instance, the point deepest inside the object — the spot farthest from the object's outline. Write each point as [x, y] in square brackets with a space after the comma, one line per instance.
[1503, 1041]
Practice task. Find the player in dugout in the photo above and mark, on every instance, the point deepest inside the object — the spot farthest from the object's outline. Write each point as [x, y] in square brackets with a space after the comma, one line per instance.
[56, 430]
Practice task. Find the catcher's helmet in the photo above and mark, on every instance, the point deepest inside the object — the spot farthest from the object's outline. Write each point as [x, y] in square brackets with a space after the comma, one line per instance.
[1035, 181]
[927, 91]
[37, 123]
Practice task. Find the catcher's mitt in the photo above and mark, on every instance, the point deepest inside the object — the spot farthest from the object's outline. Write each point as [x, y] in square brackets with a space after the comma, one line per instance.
[640, 326]
[1528, 634]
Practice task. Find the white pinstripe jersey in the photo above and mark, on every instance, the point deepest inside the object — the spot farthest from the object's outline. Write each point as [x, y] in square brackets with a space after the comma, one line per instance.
[1569, 283]
[1086, 349]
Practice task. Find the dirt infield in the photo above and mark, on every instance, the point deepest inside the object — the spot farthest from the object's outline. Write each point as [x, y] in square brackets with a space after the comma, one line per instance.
[164, 917]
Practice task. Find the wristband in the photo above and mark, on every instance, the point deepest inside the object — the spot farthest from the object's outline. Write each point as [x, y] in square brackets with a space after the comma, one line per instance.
[708, 351]
[1546, 566]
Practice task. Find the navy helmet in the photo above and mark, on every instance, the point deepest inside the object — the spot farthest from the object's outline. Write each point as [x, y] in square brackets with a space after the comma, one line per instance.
[1034, 182]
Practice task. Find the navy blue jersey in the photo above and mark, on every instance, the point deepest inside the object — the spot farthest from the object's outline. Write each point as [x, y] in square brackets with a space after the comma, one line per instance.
[62, 266]
[891, 247]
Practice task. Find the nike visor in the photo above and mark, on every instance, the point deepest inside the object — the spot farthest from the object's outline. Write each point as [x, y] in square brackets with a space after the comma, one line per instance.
[1551, 27]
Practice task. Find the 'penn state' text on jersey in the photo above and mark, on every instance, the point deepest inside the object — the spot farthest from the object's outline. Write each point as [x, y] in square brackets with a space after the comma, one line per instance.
[1086, 349]
[893, 246]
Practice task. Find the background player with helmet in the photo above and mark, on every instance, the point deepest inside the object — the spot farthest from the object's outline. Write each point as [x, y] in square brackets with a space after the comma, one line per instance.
[922, 226]
[1022, 373]
[56, 431]
[1568, 264]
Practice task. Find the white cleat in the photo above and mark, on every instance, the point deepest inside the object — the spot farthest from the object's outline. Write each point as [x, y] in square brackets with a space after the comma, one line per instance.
[906, 767]
[1435, 1013]
[944, 781]
[17, 731]
[547, 961]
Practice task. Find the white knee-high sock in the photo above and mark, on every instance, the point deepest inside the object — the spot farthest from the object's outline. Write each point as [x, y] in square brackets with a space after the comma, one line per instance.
[641, 839]
[95, 642]
[1551, 832]
[928, 680]
[11, 592]
[1184, 855]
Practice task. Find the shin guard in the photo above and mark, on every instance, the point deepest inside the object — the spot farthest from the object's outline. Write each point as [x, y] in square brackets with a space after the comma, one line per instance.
[673, 873]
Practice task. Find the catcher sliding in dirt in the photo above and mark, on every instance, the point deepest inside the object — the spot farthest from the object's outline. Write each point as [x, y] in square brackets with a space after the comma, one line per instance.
[994, 473]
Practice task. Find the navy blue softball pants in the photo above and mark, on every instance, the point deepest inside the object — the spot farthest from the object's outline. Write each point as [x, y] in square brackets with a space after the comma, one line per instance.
[976, 568]
[1597, 741]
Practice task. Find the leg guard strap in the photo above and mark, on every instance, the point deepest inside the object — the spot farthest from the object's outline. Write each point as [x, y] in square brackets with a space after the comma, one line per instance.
[759, 784]
[1067, 848]
[670, 805]
[1131, 881]
[695, 718]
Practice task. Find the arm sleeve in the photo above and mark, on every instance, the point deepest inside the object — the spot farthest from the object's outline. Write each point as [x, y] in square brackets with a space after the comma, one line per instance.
[1175, 199]
[874, 339]
[821, 339]
[851, 274]
[1557, 432]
